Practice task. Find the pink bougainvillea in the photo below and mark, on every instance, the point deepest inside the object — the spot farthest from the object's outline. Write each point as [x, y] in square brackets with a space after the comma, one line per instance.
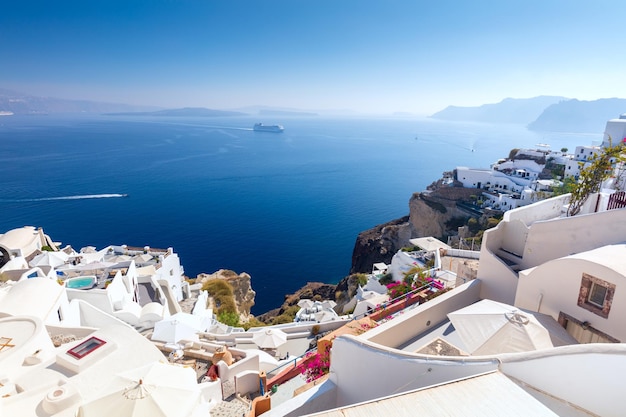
[316, 365]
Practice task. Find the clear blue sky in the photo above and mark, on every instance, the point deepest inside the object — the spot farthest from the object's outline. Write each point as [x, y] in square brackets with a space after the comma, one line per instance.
[372, 56]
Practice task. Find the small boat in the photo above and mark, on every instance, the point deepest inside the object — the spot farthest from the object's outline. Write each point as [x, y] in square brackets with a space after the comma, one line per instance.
[260, 127]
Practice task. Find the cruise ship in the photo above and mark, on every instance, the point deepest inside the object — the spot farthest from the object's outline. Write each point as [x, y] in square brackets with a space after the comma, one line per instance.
[260, 127]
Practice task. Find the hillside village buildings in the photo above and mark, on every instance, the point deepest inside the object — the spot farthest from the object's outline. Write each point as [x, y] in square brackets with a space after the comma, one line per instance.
[446, 357]
[526, 177]
[539, 331]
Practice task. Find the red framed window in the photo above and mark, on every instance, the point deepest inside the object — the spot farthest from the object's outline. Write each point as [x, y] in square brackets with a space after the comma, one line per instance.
[86, 347]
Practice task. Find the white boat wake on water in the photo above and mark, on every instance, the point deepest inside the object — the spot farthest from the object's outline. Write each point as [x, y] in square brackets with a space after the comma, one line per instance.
[69, 197]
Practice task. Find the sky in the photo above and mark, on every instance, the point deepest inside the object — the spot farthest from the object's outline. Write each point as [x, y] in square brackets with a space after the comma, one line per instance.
[367, 56]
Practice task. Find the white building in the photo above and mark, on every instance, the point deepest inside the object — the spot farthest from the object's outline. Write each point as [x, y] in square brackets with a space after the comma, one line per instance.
[165, 262]
[62, 356]
[567, 270]
[19, 244]
[402, 262]
[615, 131]
[582, 158]
[509, 184]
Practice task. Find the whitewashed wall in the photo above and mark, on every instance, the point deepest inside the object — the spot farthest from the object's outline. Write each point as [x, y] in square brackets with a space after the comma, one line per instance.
[588, 376]
[615, 131]
[554, 287]
[556, 238]
[172, 271]
[363, 370]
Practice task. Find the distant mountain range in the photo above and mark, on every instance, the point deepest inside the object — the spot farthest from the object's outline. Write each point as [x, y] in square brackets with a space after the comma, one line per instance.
[186, 111]
[12, 102]
[579, 116]
[543, 113]
[276, 111]
[18, 103]
[509, 110]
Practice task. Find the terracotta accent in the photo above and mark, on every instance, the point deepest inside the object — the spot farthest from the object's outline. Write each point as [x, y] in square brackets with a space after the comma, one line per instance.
[260, 405]
[355, 327]
[222, 354]
[399, 305]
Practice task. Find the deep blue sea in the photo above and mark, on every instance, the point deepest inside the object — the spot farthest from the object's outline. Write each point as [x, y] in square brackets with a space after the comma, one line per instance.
[285, 208]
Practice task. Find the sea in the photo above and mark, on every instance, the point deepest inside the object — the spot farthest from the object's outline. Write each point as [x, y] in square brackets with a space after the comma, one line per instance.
[285, 208]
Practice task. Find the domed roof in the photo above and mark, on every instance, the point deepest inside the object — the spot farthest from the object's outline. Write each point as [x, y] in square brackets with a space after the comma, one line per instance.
[18, 238]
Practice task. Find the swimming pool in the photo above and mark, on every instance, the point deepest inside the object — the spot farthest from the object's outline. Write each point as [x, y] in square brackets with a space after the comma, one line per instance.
[81, 283]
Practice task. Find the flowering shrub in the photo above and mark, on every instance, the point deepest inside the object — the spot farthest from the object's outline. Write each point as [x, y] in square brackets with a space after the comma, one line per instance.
[316, 365]
[396, 289]
[363, 327]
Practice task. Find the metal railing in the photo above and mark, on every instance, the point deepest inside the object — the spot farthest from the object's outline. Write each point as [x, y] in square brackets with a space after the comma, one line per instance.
[389, 303]
[294, 360]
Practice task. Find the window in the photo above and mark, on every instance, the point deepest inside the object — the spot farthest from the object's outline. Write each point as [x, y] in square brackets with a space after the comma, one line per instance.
[85, 348]
[596, 295]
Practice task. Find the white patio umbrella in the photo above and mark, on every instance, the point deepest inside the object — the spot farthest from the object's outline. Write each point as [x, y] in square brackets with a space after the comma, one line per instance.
[158, 389]
[142, 258]
[178, 327]
[92, 266]
[89, 257]
[52, 259]
[119, 258]
[269, 338]
[325, 315]
[488, 327]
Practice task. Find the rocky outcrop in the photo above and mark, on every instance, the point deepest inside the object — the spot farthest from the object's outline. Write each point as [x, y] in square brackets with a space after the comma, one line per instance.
[243, 294]
[434, 213]
[431, 213]
[379, 244]
[346, 289]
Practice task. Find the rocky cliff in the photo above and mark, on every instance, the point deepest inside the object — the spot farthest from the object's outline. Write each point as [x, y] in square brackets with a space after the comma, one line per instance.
[243, 294]
[431, 213]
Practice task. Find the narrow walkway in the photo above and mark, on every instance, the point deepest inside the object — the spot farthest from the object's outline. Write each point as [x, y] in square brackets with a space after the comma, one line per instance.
[146, 293]
[232, 407]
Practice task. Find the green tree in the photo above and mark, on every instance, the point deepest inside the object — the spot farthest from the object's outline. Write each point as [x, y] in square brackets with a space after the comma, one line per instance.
[591, 177]
[567, 186]
[230, 318]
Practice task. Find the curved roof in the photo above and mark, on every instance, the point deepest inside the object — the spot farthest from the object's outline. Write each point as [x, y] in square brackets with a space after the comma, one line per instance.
[42, 295]
[19, 238]
[610, 256]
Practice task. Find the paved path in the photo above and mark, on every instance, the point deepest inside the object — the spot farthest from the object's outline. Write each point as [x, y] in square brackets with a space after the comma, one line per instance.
[232, 407]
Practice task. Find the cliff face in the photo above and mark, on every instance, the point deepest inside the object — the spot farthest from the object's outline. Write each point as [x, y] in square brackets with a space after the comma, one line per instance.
[430, 214]
[378, 244]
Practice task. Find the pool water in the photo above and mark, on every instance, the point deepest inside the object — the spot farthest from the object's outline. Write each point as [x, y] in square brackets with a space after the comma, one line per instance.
[80, 283]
